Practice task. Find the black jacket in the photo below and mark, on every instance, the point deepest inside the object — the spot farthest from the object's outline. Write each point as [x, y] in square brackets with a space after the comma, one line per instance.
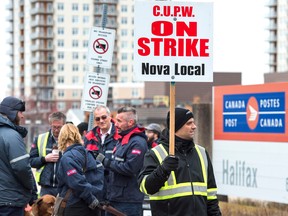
[16, 184]
[48, 175]
[189, 170]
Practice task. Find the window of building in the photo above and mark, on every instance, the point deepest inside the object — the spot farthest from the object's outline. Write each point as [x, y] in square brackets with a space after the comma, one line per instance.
[61, 106]
[85, 7]
[84, 56]
[60, 6]
[123, 8]
[75, 43]
[50, 44]
[60, 43]
[50, 56]
[86, 31]
[123, 80]
[74, 7]
[61, 93]
[60, 19]
[75, 19]
[124, 44]
[124, 56]
[75, 105]
[60, 55]
[85, 19]
[124, 32]
[75, 79]
[60, 31]
[75, 31]
[85, 68]
[124, 20]
[60, 67]
[75, 55]
[75, 93]
[60, 80]
[135, 93]
[124, 68]
[75, 67]
[50, 19]
[85, 43]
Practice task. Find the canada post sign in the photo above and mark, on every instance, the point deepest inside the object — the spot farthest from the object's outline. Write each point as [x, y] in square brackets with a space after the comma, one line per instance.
[256, 112]
[250, 141]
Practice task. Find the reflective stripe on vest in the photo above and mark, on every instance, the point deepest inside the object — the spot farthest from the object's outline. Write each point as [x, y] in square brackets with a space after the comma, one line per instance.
[41, 145]
[171, 189]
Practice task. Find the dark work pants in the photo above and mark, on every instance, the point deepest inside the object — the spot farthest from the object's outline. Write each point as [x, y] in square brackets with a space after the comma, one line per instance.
[81, 208]
[11, 211]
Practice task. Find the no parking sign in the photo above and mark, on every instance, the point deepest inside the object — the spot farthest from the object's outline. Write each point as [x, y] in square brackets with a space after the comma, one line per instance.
[101, 45]
[95, 91]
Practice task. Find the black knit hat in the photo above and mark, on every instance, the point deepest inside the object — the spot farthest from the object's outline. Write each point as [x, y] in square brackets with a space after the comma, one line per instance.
[83, 126]
[182, 115]
[10, 106]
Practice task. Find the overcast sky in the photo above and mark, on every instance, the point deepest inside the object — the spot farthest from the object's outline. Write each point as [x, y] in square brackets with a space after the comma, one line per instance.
[239, 40]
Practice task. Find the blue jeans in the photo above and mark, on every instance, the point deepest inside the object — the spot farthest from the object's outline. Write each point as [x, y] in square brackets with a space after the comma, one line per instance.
[130, 209]
[11, 211]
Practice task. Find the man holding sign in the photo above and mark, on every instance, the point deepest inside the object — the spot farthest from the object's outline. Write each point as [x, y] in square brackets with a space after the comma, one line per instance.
[184, 183]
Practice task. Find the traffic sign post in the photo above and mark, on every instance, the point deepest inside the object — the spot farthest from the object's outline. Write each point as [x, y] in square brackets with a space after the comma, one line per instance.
[101, 47]
[95, 91]
[100, 54]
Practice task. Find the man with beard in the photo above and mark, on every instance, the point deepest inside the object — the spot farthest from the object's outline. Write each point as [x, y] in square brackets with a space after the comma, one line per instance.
[125, 164]
[17, 184]
[153, 132]
[184, 183]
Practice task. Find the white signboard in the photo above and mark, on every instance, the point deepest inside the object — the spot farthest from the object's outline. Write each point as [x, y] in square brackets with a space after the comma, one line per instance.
[255, 170]
[101, 46]
[173, 41]
[95, 91]
[250, 141]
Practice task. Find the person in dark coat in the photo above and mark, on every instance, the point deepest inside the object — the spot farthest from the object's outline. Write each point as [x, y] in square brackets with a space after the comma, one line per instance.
[17, 184]
[184, 183]
[80, 173]
[102, 139]
[125, 164]
[153, 132]
[45, 157]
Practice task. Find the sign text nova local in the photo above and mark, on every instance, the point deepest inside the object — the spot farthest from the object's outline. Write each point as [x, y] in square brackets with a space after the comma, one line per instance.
[174, 43]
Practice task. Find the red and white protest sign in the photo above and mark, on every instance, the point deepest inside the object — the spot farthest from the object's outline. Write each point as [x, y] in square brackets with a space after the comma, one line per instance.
[173, 41]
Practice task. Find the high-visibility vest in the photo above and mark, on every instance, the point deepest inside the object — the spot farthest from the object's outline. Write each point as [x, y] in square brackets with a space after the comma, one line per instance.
[41, 145]
[172, 189]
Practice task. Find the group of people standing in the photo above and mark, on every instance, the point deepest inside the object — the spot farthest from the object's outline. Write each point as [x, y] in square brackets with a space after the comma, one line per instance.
[118, 161]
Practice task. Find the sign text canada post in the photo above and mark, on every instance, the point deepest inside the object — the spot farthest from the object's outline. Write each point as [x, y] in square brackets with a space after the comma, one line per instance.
[173, 41]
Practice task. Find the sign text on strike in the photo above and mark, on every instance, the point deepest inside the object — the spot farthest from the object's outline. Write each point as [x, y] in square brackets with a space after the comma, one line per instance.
[171, 46]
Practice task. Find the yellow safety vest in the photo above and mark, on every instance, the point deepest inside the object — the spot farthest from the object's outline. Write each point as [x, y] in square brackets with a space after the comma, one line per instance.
[41, 145]
[172, 189]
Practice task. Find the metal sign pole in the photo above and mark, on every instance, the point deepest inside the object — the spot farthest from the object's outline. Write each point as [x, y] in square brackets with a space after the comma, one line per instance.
[104, 21]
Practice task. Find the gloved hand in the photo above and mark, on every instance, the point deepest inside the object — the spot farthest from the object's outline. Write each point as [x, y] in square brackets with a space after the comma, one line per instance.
[94, 204]
[100, 157]
[170, 163]
[94, 153]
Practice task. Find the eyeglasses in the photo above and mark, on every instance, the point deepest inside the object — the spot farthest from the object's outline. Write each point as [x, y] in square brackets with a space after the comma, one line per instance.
[101, 117]
[56, 127]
